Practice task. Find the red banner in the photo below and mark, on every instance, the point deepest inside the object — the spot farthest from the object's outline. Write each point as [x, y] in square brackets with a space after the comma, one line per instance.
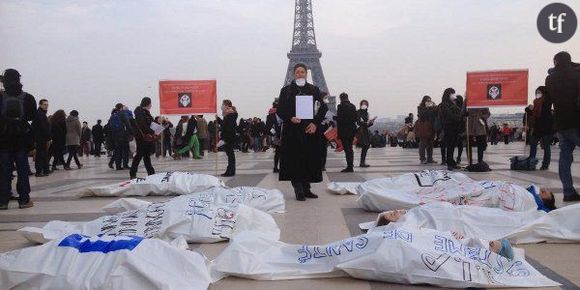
[187, 97]
[497, 88]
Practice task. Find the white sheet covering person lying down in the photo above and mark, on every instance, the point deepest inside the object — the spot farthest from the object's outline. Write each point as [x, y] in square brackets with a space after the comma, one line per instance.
[164, 183]
[560, 226]
[268, 200]
[196, 218]
[78, 262]
[399, 255]
[413, 189]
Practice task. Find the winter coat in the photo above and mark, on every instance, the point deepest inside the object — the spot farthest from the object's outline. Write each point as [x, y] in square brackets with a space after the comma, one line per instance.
[363, 133]
[41, 127]
[477, 121]
[300, 152]
[346, 120]
[73, 131]
[228, 127]
[142, 125]
[563, 87]
[202, 132]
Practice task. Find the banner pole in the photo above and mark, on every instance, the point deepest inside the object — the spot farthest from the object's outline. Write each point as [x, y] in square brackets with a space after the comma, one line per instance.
[469, 153]
[525, 133]
[216, 142]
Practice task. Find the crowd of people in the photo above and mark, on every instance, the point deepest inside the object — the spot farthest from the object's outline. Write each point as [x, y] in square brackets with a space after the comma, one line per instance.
[300, 146]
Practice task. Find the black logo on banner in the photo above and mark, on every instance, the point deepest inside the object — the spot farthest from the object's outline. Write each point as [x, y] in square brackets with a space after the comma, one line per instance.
[184, 100]
[494, 92]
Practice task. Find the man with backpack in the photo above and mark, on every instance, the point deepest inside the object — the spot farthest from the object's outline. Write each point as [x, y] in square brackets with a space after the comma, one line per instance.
[17, 109]
[121, 131]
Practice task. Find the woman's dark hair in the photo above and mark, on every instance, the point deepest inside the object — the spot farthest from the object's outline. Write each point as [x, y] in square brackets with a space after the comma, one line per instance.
[542, 89]
[343, 96]
[562, 59]
[424, 100]
[74, 113]
[145, 102]
[459, 100]
[58, 116]
[363, 101]
[446, 94]
[383, 221]
[300, 65]
[551, 202]
[227, 103]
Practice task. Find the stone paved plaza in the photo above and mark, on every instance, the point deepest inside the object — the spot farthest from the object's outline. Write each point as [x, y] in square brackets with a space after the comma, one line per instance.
[320, 221]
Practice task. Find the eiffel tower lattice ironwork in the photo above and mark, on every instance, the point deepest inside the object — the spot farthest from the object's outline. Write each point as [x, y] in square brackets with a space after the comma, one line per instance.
[304, 48]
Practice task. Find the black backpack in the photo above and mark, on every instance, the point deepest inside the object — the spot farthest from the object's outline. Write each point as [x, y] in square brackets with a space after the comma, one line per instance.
[478, 167]
[12, 113]
[523, 163]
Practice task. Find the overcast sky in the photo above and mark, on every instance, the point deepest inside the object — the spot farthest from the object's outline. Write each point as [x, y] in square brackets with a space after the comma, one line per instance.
[89, 55]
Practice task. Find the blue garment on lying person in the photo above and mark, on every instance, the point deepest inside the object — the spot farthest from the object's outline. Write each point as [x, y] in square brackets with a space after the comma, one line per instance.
[532, 190]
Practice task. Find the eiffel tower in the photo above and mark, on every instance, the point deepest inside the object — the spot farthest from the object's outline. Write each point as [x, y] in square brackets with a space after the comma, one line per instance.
[304, 48]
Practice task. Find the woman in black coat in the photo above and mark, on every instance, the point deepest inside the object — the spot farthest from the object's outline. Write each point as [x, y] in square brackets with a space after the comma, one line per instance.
[144, 137]
[228, 134]
[58, 131]
[451, 117]
[364, 135]
[301, 139]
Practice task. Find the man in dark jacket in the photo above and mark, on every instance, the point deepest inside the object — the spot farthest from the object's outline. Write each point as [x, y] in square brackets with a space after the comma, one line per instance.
[346, 117]
[120, 131]
[98, 138]
[17, 108]
[229, 126]
[144, 137]
[85, 140]
[42, 137]
[563, 91]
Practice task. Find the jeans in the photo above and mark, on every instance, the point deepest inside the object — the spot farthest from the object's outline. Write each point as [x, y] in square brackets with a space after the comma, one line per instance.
[546, 142]
[85, 148]
[257, 144]
[348, 152]
[98, 148]
[193, 145]
[229, 149]
[450, 135]
[7, 158]
[426, 145]
[41, 160]
[144, 150]
[363, 154]
[569, 139]
[481, 143]
[121, 154]
[72, 153]
[202, 144]
[167, 146]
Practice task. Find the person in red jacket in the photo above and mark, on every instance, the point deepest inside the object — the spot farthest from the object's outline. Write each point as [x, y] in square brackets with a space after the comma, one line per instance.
[506, 132]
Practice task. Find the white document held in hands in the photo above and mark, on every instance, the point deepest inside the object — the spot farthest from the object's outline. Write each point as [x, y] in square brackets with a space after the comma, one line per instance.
[157, 128]
[304, 107]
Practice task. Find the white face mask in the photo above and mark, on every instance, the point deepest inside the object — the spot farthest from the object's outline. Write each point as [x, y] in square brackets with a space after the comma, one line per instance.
[300, 82]
[326, 101]
[364, 107]
[224, 107]
[453, 97]
[538, 96]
